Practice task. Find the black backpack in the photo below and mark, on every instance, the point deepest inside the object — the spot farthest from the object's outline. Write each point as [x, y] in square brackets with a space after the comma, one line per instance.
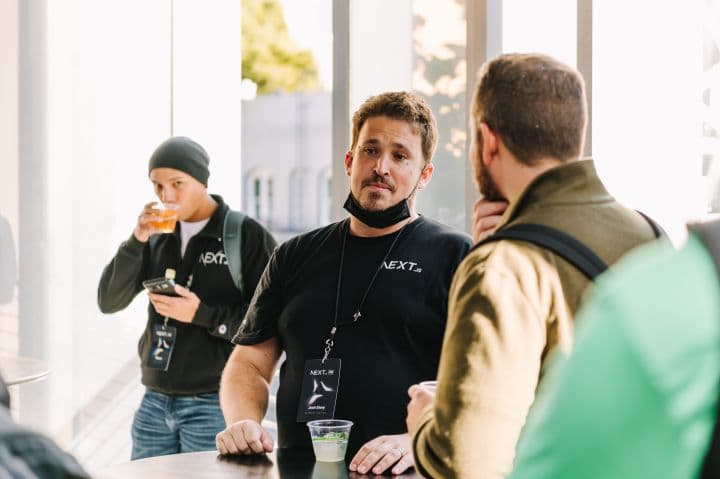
[709, 234]
[562, 244]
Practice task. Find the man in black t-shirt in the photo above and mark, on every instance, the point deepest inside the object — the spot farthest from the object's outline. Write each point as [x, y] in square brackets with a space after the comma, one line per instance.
[358, 307]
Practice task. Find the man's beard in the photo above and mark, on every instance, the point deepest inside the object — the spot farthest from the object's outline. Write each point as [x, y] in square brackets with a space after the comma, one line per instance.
[371, 200]
[486, 184]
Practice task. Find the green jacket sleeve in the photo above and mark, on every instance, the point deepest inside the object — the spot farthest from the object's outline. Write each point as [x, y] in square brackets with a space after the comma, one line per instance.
[488, 371]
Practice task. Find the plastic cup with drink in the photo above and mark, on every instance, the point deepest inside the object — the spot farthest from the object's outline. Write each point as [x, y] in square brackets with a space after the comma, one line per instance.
[165, 215]
[329, 438]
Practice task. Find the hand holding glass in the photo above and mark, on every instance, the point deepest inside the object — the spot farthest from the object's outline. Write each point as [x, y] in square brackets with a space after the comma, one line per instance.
[164, 217]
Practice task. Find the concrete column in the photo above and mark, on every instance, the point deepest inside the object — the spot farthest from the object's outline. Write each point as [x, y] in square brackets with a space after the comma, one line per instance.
[33, 246]
[340, 105]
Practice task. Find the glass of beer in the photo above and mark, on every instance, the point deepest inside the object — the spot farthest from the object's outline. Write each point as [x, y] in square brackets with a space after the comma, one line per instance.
[164, 217]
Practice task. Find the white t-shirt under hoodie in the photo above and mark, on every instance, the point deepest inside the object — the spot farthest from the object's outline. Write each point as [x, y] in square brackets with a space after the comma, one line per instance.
[188, 230]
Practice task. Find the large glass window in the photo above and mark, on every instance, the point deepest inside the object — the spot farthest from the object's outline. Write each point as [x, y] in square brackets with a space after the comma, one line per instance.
[286, 124]
[648, 113]
[86, 99]
[422, 48]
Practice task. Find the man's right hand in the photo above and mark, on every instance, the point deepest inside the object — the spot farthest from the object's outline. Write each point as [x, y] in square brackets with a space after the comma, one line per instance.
[144, 228]
[244, 437]
[486, 217]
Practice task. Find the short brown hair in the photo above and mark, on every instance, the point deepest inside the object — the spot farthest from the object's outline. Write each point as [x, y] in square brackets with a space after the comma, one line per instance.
[535, 103]
[400, 106]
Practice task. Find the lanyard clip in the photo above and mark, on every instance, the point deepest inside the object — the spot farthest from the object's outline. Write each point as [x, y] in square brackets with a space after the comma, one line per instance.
[329, 344]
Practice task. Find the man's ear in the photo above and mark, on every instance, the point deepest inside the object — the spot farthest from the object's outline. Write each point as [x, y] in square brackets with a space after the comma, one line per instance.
[490, 144]
[348, 162]
[426, 175]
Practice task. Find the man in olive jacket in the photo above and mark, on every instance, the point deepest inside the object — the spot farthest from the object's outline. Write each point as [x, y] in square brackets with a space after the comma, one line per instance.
[511, 302]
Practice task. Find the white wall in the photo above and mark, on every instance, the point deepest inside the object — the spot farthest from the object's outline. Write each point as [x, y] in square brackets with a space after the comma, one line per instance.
[108, 103]
[647, 98]
[9, 110]
[107, 72]
[206, 95]
[381, 45]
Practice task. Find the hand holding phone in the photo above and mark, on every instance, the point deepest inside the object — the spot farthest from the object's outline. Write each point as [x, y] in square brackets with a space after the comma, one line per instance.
[164, 286]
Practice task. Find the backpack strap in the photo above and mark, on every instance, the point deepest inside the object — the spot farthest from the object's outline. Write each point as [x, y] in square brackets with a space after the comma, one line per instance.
[709, 235]
[657, 229]
[559, 242]
[232, 244]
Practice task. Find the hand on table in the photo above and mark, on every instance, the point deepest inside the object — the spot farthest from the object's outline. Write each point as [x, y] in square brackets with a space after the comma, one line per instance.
[379, 454]
[244, 437]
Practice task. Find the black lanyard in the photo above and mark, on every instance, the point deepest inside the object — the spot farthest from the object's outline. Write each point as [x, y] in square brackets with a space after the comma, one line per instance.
[356, 316]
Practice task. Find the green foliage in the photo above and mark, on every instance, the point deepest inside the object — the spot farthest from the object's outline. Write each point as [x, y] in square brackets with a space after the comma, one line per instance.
[270, 58]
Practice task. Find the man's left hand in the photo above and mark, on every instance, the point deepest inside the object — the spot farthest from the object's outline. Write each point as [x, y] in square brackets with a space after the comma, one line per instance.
[181, 308]
[383, 452]
[420, 399]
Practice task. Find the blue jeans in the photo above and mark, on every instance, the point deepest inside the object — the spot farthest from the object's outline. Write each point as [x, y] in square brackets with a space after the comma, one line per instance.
[171, 424]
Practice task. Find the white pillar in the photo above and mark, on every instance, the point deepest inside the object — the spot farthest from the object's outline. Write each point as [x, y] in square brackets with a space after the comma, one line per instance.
[206, 87]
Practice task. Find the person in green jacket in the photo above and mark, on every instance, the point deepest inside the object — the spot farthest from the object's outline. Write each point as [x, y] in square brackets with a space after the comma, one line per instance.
[638, 395]
[512, 303]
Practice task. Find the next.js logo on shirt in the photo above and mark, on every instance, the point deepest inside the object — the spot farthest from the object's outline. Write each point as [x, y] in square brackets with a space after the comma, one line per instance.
[213, 258]
[402, 265]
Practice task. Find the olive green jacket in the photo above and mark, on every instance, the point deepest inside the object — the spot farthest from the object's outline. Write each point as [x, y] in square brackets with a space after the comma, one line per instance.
[511, 304]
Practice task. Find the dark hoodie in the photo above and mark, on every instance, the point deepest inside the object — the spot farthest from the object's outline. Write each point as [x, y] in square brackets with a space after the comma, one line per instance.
[202, 347]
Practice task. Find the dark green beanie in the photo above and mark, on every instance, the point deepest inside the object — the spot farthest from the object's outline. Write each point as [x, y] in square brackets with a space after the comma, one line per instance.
[181, 153]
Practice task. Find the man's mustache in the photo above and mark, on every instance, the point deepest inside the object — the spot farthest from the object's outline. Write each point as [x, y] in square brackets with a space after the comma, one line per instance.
[379, 179]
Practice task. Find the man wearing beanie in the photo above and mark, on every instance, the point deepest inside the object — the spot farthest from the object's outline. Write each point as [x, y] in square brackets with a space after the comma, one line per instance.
[186, 341]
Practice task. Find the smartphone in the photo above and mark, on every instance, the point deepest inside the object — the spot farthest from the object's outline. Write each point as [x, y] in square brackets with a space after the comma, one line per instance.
[160, 286]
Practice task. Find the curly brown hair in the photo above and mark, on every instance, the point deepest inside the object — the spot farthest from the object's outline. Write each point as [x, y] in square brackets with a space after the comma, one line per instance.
[400, 106]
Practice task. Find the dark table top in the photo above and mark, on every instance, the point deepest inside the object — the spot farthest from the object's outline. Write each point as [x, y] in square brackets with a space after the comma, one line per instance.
[282, 463]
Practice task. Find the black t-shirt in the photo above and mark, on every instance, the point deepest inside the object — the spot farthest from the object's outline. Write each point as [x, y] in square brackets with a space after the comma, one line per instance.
[396, 342]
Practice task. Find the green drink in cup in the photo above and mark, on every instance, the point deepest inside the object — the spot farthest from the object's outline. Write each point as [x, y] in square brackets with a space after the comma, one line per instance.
[329, 438]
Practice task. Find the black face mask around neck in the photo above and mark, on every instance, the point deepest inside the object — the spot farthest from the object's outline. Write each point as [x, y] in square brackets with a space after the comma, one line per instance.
[377, 219]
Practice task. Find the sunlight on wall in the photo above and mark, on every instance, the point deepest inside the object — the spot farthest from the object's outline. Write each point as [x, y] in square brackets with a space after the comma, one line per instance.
[380, 48]
[547, 27]
[647, 108]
